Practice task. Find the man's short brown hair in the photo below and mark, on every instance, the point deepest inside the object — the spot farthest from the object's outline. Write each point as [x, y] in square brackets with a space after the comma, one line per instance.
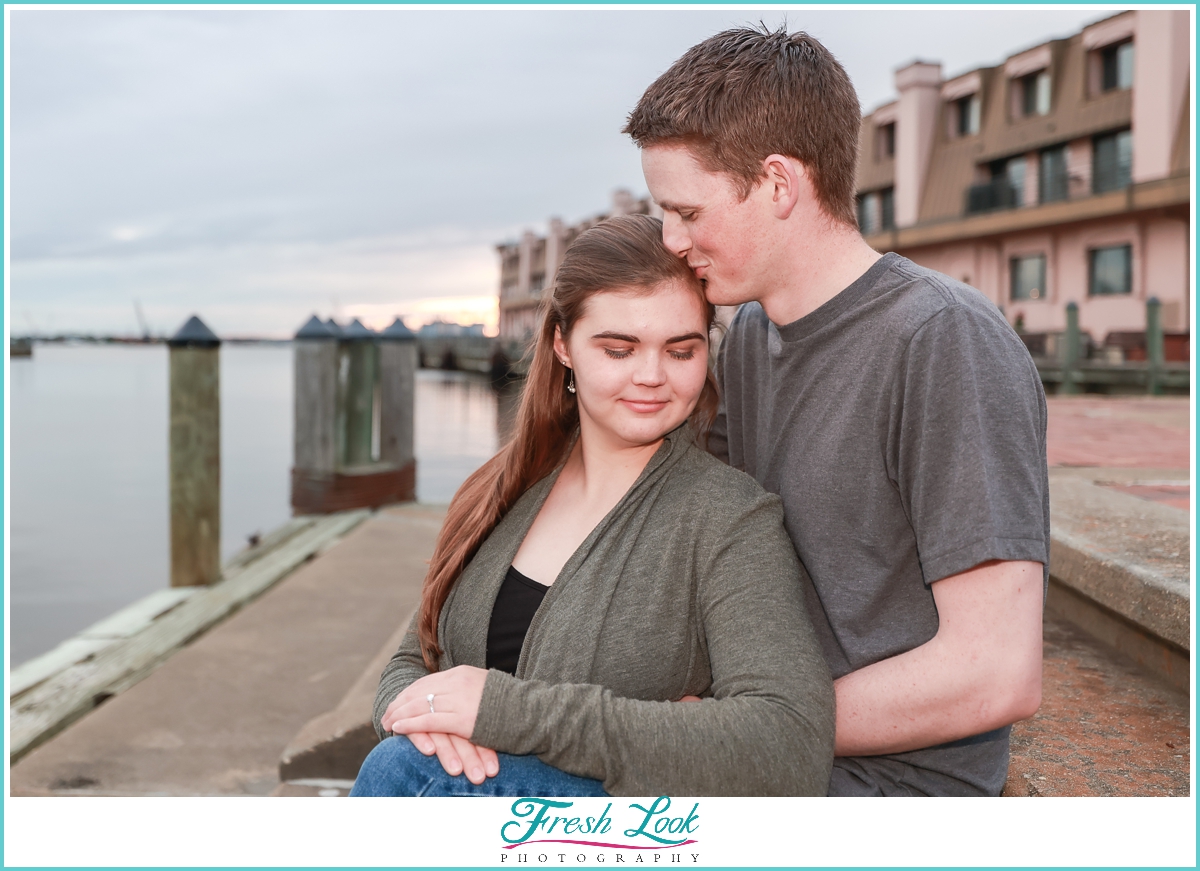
[744, 94]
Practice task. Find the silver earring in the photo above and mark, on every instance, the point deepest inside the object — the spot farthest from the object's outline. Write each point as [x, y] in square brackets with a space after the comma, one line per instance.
[571, 386]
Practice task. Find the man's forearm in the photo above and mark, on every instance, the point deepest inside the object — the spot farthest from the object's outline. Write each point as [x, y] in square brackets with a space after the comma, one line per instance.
[981, 671]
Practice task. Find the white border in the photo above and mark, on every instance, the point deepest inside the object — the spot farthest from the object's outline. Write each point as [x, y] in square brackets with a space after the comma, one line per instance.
[805, 832]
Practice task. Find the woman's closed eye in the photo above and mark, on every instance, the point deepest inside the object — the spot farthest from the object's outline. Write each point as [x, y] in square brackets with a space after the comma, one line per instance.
[618, 353]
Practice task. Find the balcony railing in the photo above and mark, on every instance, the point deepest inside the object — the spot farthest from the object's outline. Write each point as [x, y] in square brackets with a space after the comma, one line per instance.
[1110, 177]
[998, 193]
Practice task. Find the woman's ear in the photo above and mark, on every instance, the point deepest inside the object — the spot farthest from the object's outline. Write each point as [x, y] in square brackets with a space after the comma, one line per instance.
[560, 348]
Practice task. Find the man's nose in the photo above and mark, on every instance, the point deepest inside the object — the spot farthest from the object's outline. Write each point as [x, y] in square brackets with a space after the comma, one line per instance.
[674, 235]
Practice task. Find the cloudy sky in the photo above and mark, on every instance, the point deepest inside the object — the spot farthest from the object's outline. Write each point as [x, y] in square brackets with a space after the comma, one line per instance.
[257, 166]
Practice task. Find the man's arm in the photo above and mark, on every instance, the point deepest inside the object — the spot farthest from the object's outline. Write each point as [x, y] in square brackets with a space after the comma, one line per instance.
[982, 670]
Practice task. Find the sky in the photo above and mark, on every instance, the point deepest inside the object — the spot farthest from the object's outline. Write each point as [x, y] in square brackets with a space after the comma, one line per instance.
[257, 166]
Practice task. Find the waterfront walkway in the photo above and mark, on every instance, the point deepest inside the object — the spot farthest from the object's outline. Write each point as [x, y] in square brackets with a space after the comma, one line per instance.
[217, 717]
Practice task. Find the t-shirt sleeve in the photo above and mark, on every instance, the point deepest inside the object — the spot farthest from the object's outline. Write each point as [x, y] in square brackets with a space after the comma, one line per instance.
[967, 444]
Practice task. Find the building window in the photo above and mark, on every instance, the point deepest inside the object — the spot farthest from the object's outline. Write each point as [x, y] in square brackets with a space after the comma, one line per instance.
[887, 209]
[1052, 174]
[967, 115]
[885, 141]
[876, 212]
[1006, 190]
[1028, 277]
[1116, 67]
[1110, 271]
[866, 214]
[1112, 161]
[1034, 90]
[1014, 172]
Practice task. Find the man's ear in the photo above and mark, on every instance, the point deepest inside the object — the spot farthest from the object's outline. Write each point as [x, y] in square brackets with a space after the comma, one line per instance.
[786, 178]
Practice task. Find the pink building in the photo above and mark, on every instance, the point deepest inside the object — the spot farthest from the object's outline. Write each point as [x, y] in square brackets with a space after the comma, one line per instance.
[527, 267]
[1061, 176]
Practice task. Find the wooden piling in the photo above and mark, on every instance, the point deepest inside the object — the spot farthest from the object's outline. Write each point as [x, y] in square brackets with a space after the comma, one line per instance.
[1071, 352]
[359, 380]
[316, 374]
[195, 455]
[354, 437]
[397, 382]
[1154, 347]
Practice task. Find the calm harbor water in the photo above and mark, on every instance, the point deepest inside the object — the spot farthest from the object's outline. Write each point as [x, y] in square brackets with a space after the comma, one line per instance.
[88, 461]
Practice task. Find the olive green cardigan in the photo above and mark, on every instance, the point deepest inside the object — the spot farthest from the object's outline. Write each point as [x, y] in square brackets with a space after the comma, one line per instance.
[689, 586]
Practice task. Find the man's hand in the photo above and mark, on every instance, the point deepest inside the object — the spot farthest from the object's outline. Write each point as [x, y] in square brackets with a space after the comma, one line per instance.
[458, 755]
[982, 670]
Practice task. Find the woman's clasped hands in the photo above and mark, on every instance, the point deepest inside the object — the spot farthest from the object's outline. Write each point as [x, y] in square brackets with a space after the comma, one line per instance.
[445, 726]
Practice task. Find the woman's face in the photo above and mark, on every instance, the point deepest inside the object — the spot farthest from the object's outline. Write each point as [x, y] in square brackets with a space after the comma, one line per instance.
[640, 362]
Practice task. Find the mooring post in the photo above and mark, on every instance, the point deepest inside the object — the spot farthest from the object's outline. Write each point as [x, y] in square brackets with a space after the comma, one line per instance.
[1072, 352]
[1154, 346]
[195, 452]
[397, 382]
[360, 372]
[315, 440]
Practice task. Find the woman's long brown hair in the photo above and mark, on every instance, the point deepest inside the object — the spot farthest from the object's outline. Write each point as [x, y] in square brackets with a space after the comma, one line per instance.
[621, 253]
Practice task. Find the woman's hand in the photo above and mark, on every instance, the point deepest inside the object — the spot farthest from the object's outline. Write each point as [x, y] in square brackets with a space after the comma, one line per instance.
[458, 755]
[456, 696]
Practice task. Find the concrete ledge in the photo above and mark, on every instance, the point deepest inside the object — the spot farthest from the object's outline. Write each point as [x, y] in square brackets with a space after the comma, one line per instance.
[1128, 555]
[333, 745]
[1163, 659]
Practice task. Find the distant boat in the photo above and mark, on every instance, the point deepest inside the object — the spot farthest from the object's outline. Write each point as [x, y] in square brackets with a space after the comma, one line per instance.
[20, 347]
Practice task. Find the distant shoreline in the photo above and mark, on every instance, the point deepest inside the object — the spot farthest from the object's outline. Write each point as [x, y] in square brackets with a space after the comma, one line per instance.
[74, 338]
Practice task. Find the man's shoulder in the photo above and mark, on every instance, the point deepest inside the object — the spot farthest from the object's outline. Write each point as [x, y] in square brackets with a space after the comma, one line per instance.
[900, 299]
[916, 294]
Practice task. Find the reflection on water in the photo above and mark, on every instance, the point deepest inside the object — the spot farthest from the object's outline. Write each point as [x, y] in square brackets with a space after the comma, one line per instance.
[88, 430]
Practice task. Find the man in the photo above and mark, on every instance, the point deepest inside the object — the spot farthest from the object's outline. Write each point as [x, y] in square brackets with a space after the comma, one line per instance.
[893, 409]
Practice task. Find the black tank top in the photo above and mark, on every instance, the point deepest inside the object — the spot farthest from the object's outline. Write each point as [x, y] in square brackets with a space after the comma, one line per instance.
[516, 603]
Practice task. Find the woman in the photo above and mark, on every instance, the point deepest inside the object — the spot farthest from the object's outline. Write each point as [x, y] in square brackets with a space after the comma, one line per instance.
[602, 565]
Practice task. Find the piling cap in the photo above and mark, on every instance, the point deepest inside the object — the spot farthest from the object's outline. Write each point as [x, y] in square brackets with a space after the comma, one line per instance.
[335, 328]
[316, 328]
[194, 334]
[356, 331]
[397, 332]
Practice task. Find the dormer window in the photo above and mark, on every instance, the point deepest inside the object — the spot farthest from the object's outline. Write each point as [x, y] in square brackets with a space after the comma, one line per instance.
[885, 141]
[966, 121]
[1033, 94]
[1116, 67]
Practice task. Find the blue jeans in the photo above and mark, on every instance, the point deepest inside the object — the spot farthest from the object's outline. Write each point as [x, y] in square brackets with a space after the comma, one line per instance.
[396, 768]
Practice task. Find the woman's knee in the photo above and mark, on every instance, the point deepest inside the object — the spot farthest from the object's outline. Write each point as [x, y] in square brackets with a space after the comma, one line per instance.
[395, 767]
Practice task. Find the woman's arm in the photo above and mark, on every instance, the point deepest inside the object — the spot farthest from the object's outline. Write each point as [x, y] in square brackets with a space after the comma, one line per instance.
[405, 667]
[458, 755]
[767, 730]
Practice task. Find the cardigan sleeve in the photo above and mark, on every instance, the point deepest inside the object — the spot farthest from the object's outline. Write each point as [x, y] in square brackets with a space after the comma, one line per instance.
[766, 730]
[405, 667]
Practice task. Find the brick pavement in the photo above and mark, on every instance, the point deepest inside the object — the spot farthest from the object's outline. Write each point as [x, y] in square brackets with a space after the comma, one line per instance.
[1106, 726]
[1145, 432]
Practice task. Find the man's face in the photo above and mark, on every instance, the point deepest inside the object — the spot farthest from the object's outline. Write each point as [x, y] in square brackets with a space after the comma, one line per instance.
[723, 237]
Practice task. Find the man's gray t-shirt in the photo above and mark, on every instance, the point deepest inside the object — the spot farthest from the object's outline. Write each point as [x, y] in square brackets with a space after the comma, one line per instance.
[904, 424]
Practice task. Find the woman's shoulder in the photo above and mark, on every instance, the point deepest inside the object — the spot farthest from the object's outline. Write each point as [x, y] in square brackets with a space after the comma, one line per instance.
[722, 489]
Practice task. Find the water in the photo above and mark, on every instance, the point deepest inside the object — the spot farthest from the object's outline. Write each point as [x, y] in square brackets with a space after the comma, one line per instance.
[88, 441]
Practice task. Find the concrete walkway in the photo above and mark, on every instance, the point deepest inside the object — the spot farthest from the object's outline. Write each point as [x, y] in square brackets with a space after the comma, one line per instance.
[215, 719]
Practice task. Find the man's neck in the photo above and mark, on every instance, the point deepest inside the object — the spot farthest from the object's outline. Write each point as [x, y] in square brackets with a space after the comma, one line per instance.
[818, 266]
